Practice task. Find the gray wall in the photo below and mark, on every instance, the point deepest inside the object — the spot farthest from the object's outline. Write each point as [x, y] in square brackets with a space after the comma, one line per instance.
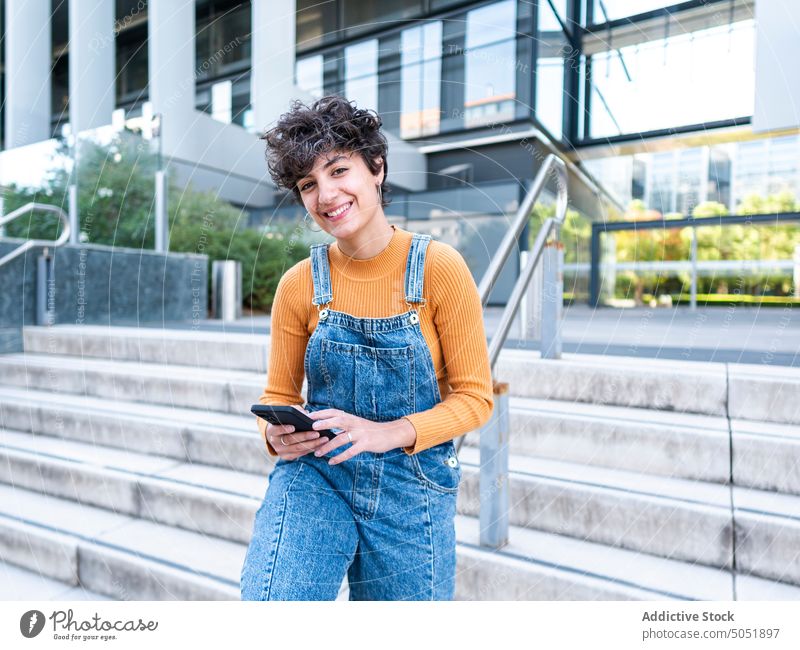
[104, 285]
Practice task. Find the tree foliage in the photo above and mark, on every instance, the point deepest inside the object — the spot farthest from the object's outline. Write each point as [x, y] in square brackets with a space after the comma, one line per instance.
[116, 206]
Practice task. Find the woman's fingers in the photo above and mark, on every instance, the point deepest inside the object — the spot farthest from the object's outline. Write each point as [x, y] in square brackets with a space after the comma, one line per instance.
[287, 439]
[297, 449]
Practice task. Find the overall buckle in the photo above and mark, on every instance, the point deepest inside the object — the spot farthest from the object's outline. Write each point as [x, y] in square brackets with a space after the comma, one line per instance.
[323, 311]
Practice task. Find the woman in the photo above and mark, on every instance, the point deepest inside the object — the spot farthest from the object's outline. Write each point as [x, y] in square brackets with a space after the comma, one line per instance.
[387, 327]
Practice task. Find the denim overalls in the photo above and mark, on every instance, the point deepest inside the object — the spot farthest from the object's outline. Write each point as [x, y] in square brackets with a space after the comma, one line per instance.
[384, 519]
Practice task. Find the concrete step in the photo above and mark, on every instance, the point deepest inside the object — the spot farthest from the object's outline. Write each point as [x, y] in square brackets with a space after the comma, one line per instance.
[196, 436]
[21, 584]
[113, 554]
[743, 391]
[227, 391]
[678, 445]
[665, 517]
[537, 565]
[199, 349]
[671, 518]
[109, 553]
[122, 558]
[208, 500]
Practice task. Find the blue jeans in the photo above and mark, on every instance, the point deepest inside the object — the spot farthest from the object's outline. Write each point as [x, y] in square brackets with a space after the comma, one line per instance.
[386, 520]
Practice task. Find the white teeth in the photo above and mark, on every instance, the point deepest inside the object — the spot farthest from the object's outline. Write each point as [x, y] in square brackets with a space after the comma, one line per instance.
[339, 211]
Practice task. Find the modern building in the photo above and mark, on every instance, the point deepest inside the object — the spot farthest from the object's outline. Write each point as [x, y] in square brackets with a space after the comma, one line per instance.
[671, 103]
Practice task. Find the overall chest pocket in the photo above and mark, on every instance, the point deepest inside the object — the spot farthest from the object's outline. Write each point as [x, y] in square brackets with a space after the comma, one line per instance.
[373, 383]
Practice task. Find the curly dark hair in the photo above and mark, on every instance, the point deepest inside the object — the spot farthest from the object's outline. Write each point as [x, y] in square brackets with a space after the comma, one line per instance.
[330, 123]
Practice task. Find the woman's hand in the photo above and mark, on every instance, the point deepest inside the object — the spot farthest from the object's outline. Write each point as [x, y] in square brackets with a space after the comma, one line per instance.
[289, 445]
[365, 434]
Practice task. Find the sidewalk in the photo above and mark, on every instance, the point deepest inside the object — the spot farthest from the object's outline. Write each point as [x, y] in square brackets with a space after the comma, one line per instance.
[724, 334]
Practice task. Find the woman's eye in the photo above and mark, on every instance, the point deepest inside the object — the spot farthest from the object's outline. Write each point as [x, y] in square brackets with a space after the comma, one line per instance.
[338, 169]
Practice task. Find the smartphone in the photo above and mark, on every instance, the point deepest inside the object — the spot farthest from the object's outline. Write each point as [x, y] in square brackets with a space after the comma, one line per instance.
[288, 415]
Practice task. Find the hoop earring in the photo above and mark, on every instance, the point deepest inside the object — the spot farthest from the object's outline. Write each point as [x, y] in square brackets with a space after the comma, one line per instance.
[306, 222]
[380, 194]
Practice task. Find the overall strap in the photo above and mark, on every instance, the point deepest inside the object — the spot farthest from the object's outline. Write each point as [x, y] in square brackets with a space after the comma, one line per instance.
[321, 275]
[415, 268]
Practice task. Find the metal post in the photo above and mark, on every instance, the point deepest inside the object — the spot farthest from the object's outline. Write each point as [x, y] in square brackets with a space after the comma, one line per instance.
[552, 299]
[74, 230]
[162, 231]
[530, 307]
[45, 289]
[608, 284]
[797, 271]
[493, 484]
[594, 267]
[693, 300]
[226, 290]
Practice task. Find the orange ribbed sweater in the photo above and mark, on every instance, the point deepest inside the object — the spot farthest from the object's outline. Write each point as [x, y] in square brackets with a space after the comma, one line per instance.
[451, 321]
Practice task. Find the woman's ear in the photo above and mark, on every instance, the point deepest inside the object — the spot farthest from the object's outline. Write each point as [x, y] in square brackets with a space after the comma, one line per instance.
[380, 174]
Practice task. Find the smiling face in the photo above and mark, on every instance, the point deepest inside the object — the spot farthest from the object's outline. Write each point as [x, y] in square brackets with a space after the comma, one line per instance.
[341, 194]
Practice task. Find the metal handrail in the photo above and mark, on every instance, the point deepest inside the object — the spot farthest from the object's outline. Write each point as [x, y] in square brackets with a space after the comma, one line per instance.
[31, 243]
[552, 163]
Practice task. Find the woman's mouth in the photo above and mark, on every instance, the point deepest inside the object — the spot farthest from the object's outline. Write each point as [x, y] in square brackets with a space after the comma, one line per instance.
[339, 213]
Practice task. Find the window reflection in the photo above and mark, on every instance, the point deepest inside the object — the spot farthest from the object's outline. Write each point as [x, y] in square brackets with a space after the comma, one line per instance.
[309, 75]
[361, 74]
[221, 101]
[222, 41]
[421, 69]
[691, 78]
[490, 60]
[316, 23]
[359, 15]
[552, 48]
[605, 10]
[433, 77]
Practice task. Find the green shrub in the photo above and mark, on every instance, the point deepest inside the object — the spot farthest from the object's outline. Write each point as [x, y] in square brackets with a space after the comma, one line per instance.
[115, 203]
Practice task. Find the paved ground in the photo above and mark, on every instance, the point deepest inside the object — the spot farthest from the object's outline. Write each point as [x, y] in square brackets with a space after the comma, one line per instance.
[728, 334]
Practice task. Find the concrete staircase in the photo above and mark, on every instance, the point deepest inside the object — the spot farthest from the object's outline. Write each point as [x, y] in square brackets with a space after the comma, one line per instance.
[131, 469]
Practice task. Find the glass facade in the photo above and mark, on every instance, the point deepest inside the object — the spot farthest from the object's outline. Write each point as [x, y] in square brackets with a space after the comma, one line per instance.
[420, 80]
[222, 65]
[553, 46]
[444, 66]
[766, 167]
[606, 10]
[678, 180]
[434, 77]
[685, 79]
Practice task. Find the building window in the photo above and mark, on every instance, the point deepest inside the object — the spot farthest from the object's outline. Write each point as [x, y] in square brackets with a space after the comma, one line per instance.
[222, 41]
[553, 46]
[308, 75]
[605, 10]
[361, 74]
[681, 80]
[490, 64]
[359, 15]
[421, 78]
[316, 23]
